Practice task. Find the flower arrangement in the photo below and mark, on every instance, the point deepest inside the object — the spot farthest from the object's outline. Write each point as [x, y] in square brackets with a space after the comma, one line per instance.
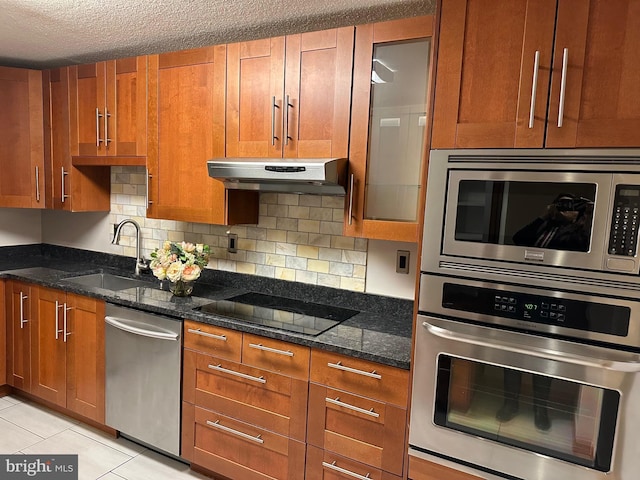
[179, 261]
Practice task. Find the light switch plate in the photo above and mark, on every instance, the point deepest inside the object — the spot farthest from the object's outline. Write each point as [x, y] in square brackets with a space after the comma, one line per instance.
[232, 242]
[402, 261]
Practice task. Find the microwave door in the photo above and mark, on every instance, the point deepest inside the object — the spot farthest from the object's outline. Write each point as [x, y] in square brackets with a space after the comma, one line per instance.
[542, 218]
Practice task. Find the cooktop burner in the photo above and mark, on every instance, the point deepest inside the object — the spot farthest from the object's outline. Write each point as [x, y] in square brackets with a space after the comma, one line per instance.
[280, 312]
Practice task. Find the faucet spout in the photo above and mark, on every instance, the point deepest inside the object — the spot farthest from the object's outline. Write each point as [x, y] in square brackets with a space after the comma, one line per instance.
[141, 263]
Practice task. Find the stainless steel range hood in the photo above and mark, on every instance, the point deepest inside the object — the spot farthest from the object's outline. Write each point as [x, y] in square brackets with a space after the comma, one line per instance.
[320, 176]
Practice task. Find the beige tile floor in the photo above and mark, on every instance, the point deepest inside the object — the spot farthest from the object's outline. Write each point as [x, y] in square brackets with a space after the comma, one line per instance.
[29, 428]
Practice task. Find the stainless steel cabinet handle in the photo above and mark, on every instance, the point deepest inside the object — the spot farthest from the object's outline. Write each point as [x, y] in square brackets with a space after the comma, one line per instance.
[287, 105]
[58, 330]
[333, 466]
[63, 196]
[23, 297]
[563, 86]
[259, 346]
[216, 424]
[630, 365]
[122, 324]
[106, 127]
[65, 334]
[351, 183]
[197, 331]
[339, 366]
[149, 177]
[273, 120]
[534, 88]
[336, 401]
[220, 368]
[98, 116]
[37, 184]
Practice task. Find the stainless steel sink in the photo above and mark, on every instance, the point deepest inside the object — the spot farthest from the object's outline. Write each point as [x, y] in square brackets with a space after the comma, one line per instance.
[107, 281]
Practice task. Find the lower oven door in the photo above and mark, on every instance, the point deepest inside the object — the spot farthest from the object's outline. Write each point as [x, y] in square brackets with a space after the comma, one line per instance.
[530, 407]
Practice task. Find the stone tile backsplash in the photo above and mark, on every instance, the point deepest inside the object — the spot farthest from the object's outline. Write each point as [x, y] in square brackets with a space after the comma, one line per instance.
[298, 237]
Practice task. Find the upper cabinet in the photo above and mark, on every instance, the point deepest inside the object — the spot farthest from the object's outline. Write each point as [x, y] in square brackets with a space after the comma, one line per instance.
[389, 129]
[21, 138]
[186, 128]
[290, 96]
[109, 109]
[68, 187]
[543, 73]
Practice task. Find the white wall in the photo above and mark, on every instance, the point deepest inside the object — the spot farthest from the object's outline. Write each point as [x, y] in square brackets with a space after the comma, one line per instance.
[88, 231]
[19, 226]
[382, 278]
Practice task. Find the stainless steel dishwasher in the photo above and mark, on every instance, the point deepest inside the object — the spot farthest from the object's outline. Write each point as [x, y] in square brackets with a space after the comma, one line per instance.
[143, 365]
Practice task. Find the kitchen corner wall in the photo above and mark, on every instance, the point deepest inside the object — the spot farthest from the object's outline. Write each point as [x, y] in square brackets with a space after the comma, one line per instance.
[298, 237]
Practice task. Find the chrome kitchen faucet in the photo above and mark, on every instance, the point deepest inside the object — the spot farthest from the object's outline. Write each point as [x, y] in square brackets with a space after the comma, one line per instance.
[141, 263]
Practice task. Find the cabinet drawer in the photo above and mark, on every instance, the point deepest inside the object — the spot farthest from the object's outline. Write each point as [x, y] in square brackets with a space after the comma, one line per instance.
[420, 469]
[239, 450]
[275, 355]
[373, 380]
[269, 400]
[322, 465]
[217, 341]
[372, 432]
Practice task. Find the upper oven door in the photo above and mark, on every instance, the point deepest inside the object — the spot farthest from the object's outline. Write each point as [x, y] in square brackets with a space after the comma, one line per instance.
[547, 217]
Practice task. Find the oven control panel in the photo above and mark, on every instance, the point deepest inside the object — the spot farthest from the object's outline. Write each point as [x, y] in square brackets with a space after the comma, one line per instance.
[563, 312]
[624, 222]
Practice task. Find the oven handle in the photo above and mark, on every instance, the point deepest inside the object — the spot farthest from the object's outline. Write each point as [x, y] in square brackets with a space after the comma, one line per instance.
[632, 365]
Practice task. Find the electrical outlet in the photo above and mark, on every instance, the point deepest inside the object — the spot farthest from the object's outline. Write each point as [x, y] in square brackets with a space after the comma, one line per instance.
[232, 242]
[402, 261]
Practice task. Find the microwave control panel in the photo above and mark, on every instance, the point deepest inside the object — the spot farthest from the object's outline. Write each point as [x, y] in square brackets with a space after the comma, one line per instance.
[623, 237]
[562, 312]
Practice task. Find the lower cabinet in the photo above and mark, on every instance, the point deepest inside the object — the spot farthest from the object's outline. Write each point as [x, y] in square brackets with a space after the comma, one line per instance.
[56, 347]
[325, 465]
[244, 418]
[3, 338]
[420, 469]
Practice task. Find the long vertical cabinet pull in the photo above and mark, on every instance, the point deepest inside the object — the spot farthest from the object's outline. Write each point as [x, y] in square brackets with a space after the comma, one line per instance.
[106, 127]
[65, 333]
[563, 86]
[149, 177]
[351, 184]
[274, 105]
[37, 184]
[23, 297]
[534, 88]
[98, 116]
[287, 106]
[58, 330]
[63, 196]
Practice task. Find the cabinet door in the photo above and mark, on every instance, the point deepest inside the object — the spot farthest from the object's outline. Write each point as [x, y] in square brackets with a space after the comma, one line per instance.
[599, 41]
[323, 465]
[388, 129]
[85, 357]
[126, 121]
[77, 189]
[22, 139]
[186, 128]
[87, 109]
[19, 317]
[317, 102]
[255, 85]
[493, 57]
[48, 363]
[3, 337]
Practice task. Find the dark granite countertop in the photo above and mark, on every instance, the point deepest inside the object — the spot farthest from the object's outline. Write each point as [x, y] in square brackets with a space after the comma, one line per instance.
[381, 332]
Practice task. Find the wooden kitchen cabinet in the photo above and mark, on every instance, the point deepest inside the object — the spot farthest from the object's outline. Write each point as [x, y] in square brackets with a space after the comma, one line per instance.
[389, 129]
[22, 139]
[19, 317]
[325, 465]
[68, 187]
[290, 96]
[501, 69]
[357, 409]
[3, 337]
[420, 469]
[187, 128]
[246, 418]
[108, 106]
[67, 351]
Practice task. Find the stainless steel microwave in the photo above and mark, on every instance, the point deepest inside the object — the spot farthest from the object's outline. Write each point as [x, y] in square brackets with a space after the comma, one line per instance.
[549, 216]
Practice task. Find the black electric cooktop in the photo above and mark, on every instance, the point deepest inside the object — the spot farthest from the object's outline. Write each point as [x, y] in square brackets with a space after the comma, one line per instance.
[280, 312]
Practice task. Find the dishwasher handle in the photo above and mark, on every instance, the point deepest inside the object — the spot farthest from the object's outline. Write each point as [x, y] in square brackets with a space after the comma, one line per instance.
[123, 324]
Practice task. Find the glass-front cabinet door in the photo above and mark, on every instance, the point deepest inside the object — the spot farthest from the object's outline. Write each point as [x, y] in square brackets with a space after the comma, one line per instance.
[389, 128]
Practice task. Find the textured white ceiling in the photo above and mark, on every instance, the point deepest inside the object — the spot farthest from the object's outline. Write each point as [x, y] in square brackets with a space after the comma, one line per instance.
[48, 33]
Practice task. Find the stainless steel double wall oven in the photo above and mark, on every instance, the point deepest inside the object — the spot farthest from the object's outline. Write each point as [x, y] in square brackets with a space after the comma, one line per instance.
[527, 351]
